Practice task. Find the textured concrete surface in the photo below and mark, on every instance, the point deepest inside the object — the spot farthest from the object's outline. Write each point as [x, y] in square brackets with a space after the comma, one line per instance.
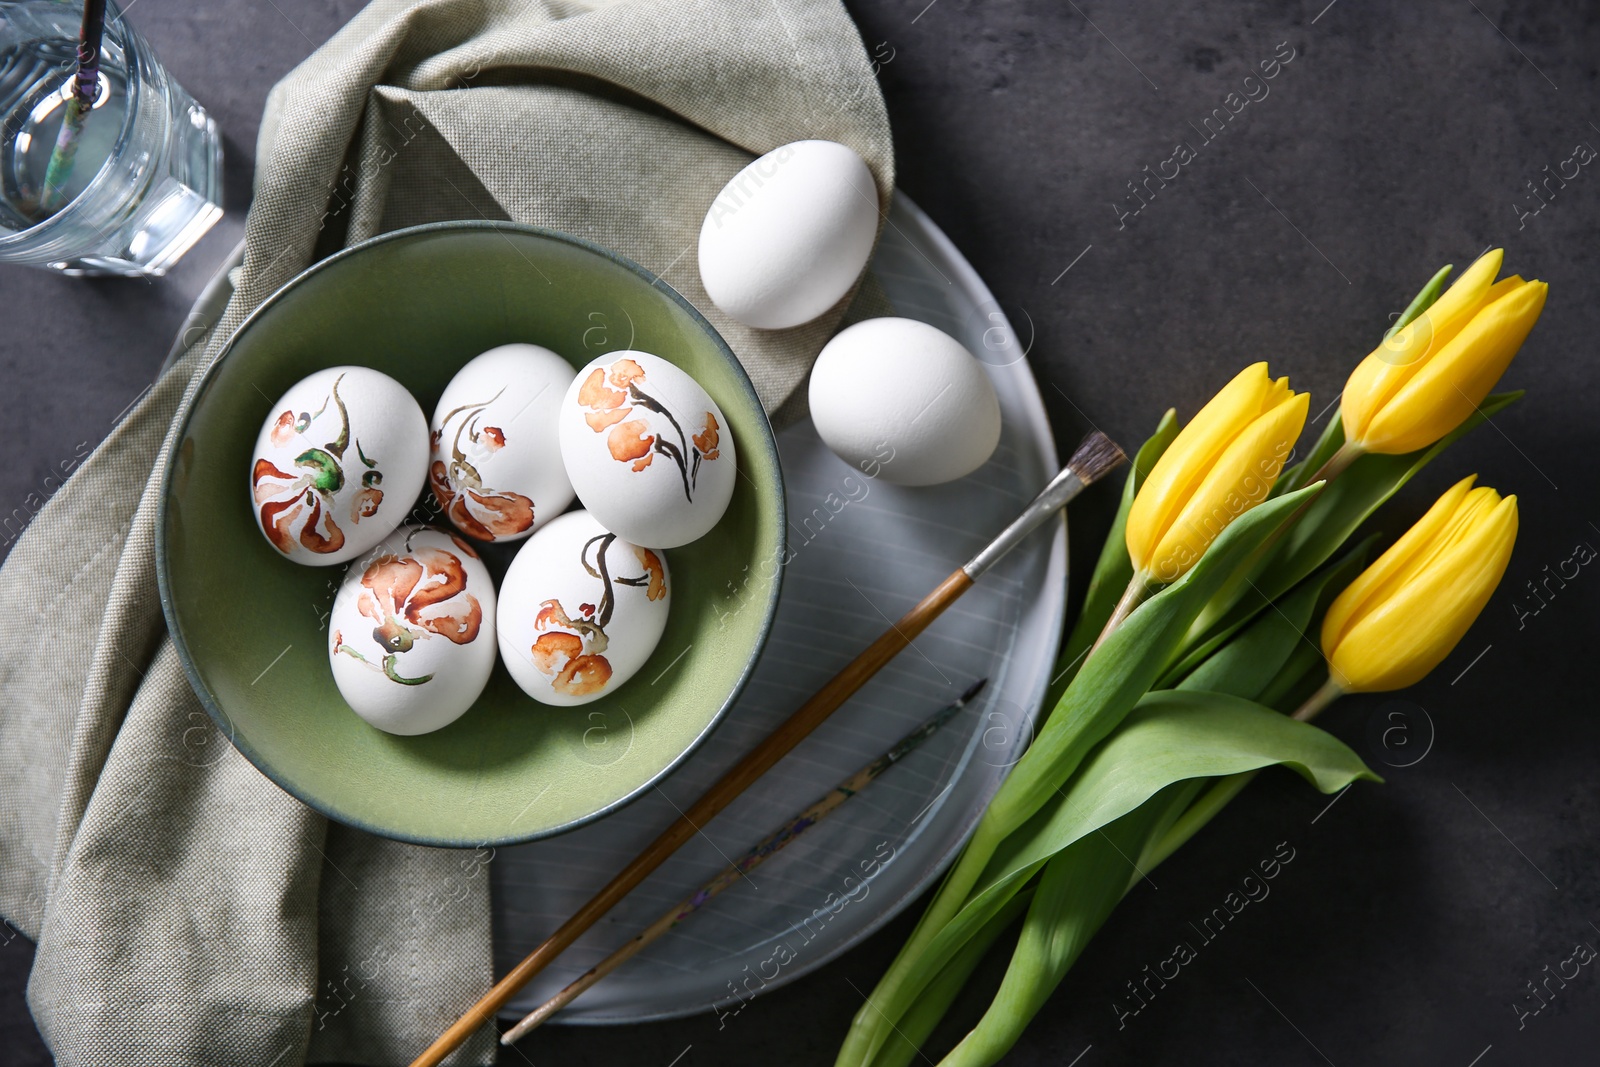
[1391, 138]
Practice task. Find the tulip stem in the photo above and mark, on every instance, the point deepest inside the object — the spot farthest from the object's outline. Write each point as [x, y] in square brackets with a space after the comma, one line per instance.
[1347, 454]
[1327, 694]
[1139, 588]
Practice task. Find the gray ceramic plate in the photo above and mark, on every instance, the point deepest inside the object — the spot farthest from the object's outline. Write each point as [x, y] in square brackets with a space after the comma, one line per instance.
[855, 564]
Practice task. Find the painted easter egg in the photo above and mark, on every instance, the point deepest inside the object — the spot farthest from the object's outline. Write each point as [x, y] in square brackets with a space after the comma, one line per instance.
[646, 449]
[411, 637]
[496, 466]
[581, 610]
[338, 464]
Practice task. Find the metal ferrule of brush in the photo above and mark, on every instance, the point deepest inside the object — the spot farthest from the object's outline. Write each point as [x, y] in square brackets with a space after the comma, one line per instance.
[1096, 456]
[1062, 488]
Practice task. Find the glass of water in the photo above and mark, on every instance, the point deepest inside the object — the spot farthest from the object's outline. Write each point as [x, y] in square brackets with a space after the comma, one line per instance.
[147, 180]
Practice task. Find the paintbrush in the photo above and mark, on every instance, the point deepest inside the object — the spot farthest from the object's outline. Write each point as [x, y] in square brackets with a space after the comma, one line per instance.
[85, 91]
[758, 854]
[1097, 455]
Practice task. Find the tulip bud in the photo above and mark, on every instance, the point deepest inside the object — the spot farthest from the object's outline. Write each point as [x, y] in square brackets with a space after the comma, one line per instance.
[1404, 614]
[1220, 465]
[1427, 377]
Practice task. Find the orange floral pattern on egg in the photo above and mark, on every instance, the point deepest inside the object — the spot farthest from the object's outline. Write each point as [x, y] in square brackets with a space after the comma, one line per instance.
[570, 649]
[412, 597]
[296, 506]
[619, 392]
[477, 510]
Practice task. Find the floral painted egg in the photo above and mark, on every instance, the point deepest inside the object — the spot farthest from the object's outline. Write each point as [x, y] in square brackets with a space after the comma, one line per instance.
[411, 635]
[338, 464]
[647, 449]
[580, 610]
[496, 466]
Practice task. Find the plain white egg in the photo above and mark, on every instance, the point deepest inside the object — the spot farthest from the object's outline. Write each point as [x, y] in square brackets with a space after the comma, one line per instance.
[647, 449]
[411, 635]
[790, 234]
[496, 464]
[338, 464]
[905, 400]
[581, 610]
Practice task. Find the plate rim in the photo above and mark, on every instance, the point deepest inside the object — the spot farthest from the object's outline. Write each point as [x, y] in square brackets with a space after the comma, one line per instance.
[202, 383]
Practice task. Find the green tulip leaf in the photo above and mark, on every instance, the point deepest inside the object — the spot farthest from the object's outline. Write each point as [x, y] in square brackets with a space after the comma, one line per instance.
[1172, 735]
[1172, 803]
[1075, 895]
[1422, 301]
[1253, 659]
[1171, 738]
[912, 1031]
[1303, 673]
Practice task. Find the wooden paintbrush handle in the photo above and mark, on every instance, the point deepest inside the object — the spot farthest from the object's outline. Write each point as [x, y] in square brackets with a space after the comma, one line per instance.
[593, 975]
[754, 857]
[756, 763]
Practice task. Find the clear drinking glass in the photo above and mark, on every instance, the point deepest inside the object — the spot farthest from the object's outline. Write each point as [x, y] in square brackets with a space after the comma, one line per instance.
[147, 182]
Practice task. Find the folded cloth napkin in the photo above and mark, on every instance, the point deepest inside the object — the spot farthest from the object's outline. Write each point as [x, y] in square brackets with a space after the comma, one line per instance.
[186, 910]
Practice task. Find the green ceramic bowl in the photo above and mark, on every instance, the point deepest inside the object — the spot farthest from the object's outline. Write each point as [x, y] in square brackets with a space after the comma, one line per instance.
[250, 626]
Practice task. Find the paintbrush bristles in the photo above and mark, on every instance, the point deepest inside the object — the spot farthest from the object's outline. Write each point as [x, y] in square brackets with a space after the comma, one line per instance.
[1095, 457]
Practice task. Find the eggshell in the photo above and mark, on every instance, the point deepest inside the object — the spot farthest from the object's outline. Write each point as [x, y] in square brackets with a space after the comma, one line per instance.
[648, 451]
[905, 400]
[411, 636]
[496, 463]
[790, 234]
[570, 629]
[338, 465]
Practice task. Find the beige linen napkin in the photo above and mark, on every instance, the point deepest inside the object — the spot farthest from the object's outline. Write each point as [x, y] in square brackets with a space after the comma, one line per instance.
[187, 911]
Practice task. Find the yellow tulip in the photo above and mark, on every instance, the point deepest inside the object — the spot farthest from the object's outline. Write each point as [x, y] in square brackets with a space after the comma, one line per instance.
[1220, 465]
[1406, 612]
[1426, 378]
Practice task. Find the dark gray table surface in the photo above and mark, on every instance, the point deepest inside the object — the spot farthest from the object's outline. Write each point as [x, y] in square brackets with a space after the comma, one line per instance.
[1398, 137]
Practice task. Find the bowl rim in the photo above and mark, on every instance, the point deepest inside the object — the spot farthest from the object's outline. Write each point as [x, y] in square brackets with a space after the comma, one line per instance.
[220, 717]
